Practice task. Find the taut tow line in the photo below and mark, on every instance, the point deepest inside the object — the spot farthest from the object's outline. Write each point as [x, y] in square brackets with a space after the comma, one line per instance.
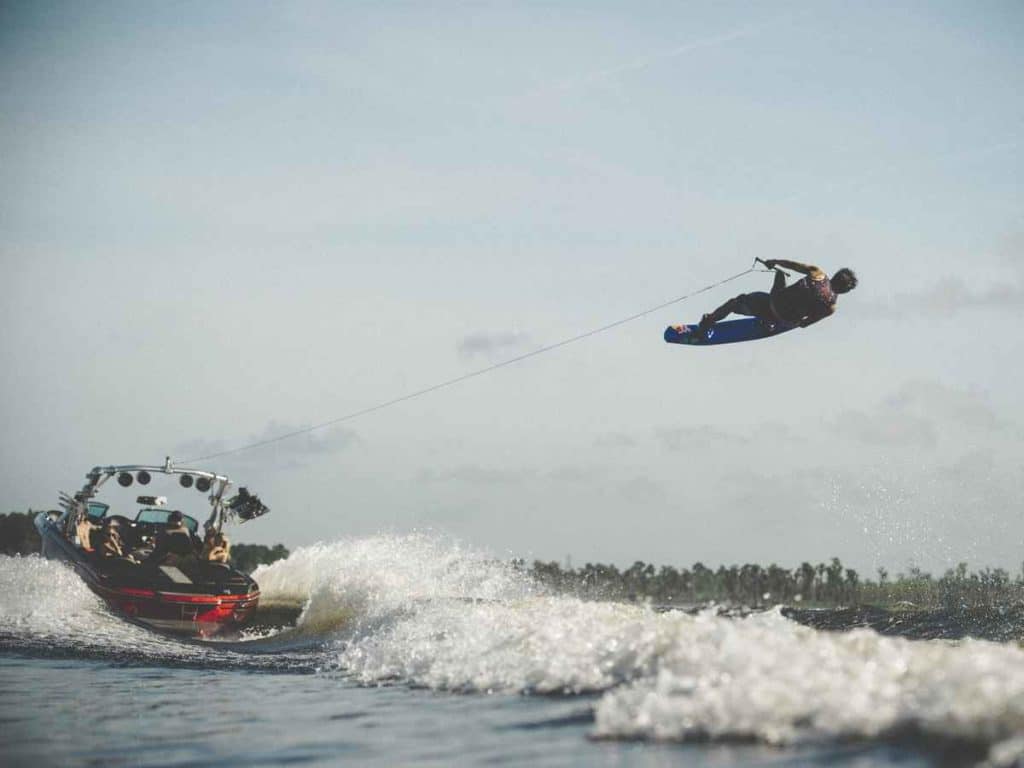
[479, 372]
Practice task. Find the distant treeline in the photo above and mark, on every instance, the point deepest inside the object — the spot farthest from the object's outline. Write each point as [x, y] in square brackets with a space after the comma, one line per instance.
[18, 536]
[830, 584]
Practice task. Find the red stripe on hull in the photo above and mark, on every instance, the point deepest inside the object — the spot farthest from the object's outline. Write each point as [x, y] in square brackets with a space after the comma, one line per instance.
[203, 616]
[195, 615]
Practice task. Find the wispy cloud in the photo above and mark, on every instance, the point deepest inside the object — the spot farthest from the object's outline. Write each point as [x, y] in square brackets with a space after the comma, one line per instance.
[478, 475]
[475, 474]
[996, 281]
[653, 58]
[696, 438]
[895, 428]
[920, 414]
[614, 440]
[876, 174]
[656, 57]
[952, 295]
[491, 343]
[961, 408]
[641, 489]
[293, 452]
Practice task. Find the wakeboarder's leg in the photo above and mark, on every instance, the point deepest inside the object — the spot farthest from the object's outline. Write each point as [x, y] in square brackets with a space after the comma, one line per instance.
[749, 304]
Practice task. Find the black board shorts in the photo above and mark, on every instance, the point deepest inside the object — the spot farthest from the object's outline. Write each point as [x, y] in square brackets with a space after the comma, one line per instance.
[756, 304]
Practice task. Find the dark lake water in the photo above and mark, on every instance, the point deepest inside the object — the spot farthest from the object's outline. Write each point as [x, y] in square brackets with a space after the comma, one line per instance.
[416, 651]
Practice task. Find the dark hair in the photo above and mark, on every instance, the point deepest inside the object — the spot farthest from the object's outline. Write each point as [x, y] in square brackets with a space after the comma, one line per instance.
[844, 280]
[175, 518]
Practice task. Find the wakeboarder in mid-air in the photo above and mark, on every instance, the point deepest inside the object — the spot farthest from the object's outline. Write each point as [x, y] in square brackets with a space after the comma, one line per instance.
[806, 301]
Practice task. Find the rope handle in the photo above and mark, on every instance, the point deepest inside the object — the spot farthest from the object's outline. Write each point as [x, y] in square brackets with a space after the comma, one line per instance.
[770, 269]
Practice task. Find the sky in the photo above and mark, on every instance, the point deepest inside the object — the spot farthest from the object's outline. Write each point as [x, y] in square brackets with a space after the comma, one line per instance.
[224, 222]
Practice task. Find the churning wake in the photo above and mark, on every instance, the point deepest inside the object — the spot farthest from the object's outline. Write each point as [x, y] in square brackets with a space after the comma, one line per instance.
[424, 611]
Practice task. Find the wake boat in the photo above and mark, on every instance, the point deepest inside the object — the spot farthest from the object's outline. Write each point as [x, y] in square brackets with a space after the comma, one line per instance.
[191, 595]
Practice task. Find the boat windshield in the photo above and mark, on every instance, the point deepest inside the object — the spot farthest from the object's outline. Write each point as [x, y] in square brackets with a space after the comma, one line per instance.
[97, 510]
[160, 516]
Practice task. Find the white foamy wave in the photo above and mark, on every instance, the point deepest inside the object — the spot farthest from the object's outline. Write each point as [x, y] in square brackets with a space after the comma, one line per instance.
[361, 582]
[426, 610]
[420, 610]
[673, 676]
[38, 595]
[46, 607]
[542, 644]
[769, 679]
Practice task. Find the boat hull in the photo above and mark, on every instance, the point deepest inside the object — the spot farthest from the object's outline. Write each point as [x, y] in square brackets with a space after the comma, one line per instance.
[147, 595]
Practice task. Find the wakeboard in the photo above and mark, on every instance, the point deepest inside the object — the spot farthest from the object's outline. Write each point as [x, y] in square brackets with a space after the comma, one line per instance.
[726, 332]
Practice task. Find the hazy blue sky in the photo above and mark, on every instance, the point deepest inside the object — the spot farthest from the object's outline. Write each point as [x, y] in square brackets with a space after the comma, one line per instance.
[220, 221]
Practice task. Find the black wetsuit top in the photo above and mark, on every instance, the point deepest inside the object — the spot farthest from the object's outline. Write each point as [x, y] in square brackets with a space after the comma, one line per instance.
[804, 298]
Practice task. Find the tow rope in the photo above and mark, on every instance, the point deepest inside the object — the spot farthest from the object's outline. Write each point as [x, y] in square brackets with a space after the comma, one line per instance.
[479, 372]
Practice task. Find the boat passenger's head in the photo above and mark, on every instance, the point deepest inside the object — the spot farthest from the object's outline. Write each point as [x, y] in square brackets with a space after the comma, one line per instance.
[844, 280]
[175, 519]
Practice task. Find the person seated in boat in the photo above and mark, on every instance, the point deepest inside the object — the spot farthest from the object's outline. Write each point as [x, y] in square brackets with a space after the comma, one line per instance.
[85, 530]
[110, 544]
[803, 303]
[216, 547]
[174, 543]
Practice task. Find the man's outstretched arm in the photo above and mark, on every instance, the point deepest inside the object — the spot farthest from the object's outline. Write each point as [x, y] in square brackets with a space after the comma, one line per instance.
[796, 266]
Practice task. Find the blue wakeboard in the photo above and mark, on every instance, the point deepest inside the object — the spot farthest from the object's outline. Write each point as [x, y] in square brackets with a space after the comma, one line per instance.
[727, 332]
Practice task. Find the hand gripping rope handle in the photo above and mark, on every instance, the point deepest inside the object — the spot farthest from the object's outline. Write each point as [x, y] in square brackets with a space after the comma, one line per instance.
[770, 268]
[480, 371]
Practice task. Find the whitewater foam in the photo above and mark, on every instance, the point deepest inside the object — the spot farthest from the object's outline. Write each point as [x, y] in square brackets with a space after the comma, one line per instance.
[44, 604]
[769, 679]
[365, 581]
[661, 675]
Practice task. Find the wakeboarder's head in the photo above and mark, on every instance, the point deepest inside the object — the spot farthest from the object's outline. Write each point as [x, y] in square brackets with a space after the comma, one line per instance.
[844, 280]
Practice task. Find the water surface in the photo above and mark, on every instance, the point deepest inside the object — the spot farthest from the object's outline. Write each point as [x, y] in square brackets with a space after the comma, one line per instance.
[416, 651]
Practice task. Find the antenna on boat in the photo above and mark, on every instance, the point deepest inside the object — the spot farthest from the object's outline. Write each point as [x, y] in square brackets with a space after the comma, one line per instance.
[168, 466]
